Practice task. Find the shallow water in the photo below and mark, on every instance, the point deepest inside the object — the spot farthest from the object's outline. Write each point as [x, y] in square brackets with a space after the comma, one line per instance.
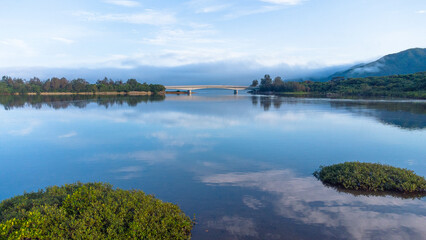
[242, 164]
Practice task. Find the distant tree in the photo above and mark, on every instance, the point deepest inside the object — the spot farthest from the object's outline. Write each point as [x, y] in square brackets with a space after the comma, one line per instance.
[79, 85]
[278, 81]
[35, 81]
[132, 82]
[267, 80]
[266, 84]
[254, 83]
[17, 85]
[46, 86]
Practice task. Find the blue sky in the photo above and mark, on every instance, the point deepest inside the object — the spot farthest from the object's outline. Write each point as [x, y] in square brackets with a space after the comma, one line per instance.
[128, 34]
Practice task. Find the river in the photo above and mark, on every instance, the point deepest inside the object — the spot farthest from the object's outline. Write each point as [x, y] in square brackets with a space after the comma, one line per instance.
[241, 164]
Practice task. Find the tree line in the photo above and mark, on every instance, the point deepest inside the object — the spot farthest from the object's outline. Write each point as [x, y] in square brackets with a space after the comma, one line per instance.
[407, 85]
[9, 85]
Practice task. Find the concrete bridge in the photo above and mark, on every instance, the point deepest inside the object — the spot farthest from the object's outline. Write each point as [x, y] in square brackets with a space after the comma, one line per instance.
[190, 88]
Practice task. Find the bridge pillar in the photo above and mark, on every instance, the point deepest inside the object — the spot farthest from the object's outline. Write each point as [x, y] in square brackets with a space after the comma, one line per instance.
[235, 92]
[189, 92]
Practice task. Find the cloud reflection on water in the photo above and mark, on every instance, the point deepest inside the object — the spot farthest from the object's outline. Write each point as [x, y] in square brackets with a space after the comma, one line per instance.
[198, 142]
[235, 225]
[306, 200]
[127, 173]
[150, 157]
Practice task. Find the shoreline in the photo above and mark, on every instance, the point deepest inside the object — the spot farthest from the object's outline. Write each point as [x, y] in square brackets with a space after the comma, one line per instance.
[333, 95]
[131, 93]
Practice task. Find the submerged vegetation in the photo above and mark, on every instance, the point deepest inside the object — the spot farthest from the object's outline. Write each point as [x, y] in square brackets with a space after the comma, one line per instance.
[91, 211]
[10, 85]
[371, 177]
[406, 86]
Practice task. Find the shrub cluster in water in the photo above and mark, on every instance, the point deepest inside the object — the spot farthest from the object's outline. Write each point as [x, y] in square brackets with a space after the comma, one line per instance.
[371, 177]
[91, 211]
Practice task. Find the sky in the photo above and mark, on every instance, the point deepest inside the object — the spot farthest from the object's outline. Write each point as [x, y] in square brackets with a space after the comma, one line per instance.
[130, 34]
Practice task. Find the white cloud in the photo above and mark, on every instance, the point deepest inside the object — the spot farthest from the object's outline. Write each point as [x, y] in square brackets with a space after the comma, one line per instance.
[247, 12]
[16, 47]
[149, 16]
[175, 56]
[68, 135]
[208, 6]
[213, 8]
[14, 43]
[181, 37]
[421, 11]
[124, 3]
[63, 40]
[283, 2]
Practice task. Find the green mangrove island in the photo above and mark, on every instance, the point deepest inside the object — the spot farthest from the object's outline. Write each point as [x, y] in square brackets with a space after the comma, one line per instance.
[91, 211]
[371, 177]
[400, 86]
[62, 86]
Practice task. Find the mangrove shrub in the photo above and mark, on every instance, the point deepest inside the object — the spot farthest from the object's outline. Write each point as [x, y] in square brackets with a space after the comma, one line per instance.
[371, 177]
[91, 211]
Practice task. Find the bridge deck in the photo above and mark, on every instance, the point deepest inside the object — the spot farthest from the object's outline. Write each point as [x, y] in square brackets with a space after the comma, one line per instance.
[195, 87]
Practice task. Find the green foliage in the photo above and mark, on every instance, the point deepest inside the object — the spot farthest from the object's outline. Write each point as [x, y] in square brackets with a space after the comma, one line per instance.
[91, 211]
[10, 85]
[254, 83]
[406, 86]
[371, 177]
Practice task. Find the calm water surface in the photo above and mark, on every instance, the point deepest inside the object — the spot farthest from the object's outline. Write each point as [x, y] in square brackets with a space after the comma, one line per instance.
[242, 164]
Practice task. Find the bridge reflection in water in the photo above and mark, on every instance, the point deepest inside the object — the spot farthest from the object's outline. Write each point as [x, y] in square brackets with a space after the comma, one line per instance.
[190, 88]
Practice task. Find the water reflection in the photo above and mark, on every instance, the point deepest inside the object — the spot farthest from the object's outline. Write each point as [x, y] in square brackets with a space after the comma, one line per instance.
[307, 201]
[407, 115]
[404, 114]
[79, 101]
[217, 156]
[378, 194]
[267, 101]
[235, 225]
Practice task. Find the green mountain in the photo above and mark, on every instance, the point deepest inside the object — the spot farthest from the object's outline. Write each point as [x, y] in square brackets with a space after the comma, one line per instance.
[405, 62]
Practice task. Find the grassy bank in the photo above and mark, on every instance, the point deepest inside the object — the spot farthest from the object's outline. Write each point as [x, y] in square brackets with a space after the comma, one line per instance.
[91, 211]
[371, 177]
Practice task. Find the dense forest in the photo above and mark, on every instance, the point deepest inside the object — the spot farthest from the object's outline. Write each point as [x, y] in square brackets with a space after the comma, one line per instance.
[10, 85]
[408, 86]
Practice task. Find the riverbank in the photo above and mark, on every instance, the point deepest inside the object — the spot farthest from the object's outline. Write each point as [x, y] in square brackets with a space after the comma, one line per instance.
[131, 93]
[409, 86]
[340, 95]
